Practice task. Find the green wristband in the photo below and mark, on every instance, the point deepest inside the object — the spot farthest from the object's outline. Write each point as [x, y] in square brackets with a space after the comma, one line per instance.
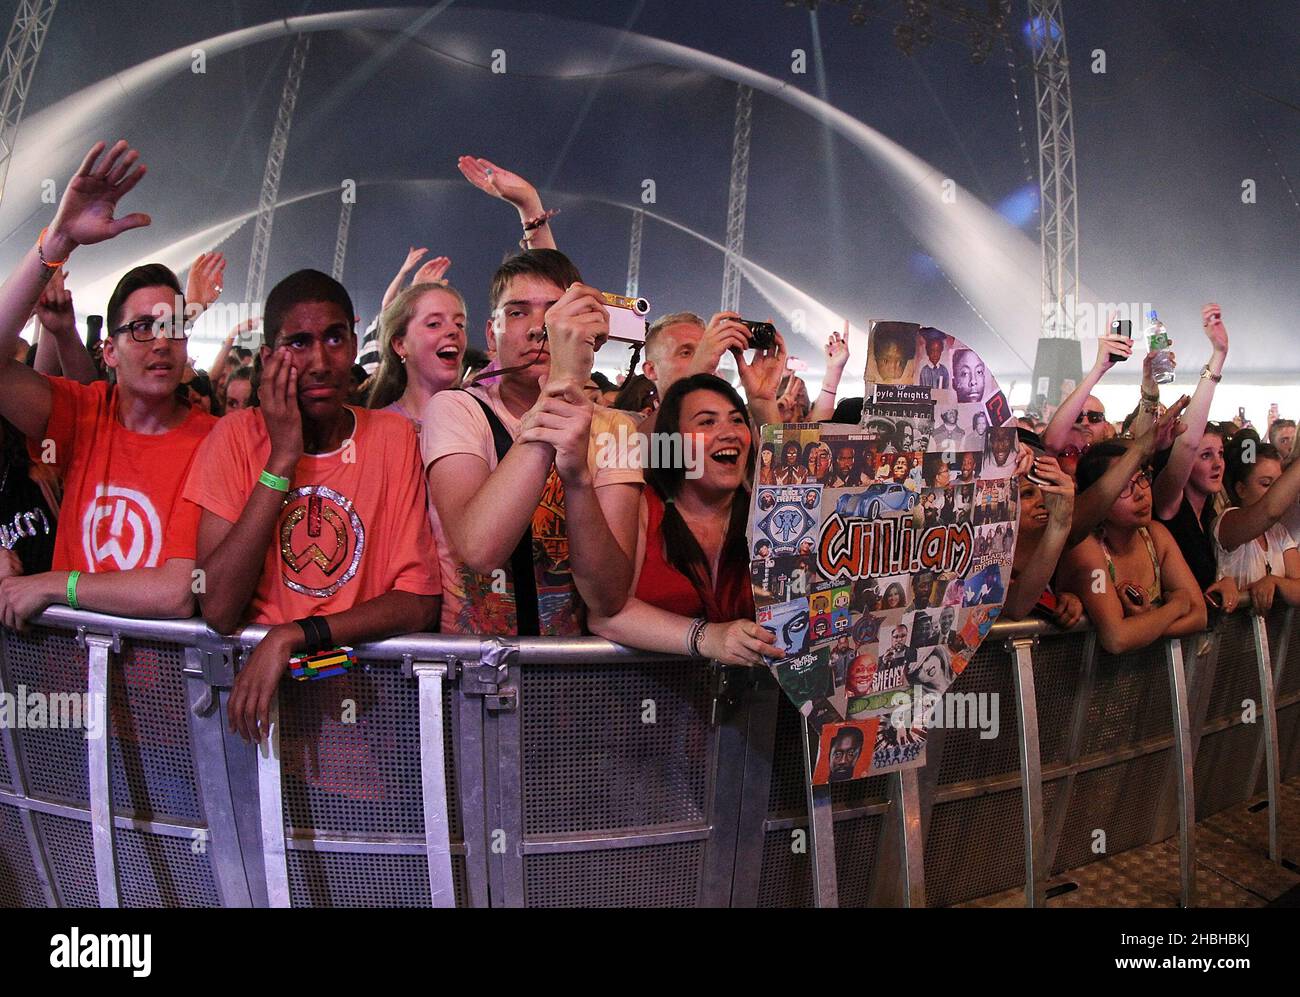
[72, 588]
[273, 481]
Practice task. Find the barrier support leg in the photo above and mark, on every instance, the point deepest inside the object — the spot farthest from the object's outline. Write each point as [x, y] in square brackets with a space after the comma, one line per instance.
[100, 782]
[433, 780]
[1267, 710]
[271, 806]
[1184, 763]
[821, 828]
[906, 805]
[1031, 771]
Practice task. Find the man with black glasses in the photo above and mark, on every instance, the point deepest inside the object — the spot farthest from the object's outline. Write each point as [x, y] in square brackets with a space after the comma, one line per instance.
[125, 542]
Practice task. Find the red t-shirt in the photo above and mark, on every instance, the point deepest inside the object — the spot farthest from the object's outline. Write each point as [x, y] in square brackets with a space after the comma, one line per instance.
[351, 528]
[122, 503]
[663, 586]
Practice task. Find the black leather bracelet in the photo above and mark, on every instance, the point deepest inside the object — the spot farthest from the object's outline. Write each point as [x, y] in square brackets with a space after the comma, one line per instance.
[310, 633]
[323, 633]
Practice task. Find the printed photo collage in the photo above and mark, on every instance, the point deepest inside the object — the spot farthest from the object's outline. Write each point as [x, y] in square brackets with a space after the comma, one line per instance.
[857, 649]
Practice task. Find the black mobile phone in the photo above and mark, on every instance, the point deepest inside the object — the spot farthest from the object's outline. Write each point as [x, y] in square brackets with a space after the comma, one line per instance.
[1134, 594]
[1215, 599]
[1121, 327]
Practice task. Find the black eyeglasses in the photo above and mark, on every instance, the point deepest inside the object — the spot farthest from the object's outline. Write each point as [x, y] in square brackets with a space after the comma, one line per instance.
[1093, 417]
[1141, 478]
[146, 330]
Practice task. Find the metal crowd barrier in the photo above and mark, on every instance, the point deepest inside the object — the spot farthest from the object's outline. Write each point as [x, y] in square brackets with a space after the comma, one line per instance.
[537, 772]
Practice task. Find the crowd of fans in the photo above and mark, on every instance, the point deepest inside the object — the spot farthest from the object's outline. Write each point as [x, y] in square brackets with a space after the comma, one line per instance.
[464, 492]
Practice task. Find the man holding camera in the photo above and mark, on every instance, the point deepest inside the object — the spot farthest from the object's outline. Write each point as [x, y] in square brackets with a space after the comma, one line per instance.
[531, 527]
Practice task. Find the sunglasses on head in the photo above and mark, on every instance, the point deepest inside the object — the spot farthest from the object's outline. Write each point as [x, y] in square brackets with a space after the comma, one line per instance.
[1093, 417]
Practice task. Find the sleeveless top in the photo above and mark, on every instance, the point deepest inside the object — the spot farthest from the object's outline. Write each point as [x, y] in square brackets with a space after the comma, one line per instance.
[665, 587]
[1154, 593]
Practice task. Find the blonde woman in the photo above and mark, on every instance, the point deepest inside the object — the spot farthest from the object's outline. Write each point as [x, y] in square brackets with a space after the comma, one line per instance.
[422, 347]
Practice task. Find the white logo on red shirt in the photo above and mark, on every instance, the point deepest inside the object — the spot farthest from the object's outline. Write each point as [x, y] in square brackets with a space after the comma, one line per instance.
[121, 524]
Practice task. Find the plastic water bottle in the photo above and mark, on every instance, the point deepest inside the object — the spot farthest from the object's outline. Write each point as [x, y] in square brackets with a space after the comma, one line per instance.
[1162, 364]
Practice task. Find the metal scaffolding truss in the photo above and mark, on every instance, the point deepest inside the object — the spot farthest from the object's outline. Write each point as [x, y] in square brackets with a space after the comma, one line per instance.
[341, 242]
[736, 200]
[22, 49]
[274, 165]
[634, 254]
[1059, 232]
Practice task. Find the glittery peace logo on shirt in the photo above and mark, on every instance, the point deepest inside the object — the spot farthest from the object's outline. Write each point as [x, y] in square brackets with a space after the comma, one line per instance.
[322, 539]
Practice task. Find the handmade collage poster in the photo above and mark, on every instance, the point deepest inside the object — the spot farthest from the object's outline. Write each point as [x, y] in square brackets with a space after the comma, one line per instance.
[881, 553]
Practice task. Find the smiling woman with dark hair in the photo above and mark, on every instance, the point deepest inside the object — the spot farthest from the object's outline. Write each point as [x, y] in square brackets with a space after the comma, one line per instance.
[691, 584]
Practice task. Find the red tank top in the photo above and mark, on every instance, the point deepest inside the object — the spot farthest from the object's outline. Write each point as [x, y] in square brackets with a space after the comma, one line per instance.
[664, 586]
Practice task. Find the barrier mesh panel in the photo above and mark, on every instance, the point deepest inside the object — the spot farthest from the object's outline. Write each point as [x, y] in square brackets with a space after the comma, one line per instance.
[46, 661]
[19, 886]
[1058, 664]
[786, 796]
[361, 777]
[1119, 800]
[152, 767]
[974, 847]
[1130, 701]
[157, 870]
[786, 879]
[1288, 740]
[360, 879]
[1290, 683]
[71, 855]
[642, 876]
[1223, 765]
[1236, 672]
[967, 756]
[8, 778]
[590, 763]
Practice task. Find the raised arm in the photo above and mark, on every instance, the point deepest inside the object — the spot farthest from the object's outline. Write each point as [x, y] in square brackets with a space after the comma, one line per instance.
[1167, 492]
[1092, 504]
[760, 378]
[204, 284]
[837, 355]
[513, 189]
[1058, 496]
[60, 350]
[1058, 430]
[84, 217]
[413, 256]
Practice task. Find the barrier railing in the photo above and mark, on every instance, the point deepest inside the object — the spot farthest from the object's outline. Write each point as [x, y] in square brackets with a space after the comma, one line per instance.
[456, 771]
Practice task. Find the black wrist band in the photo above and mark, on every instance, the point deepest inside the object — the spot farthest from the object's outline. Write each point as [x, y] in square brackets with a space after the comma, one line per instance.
[311, 633]
[323, 633]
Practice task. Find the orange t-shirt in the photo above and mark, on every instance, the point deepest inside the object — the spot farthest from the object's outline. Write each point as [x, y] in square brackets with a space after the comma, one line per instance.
[351, 528]
[122, 503]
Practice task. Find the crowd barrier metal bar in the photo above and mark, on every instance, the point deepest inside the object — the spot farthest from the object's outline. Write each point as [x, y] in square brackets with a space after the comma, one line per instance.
[1268, 735]
[1031, 770]
[1183, 761]
[101, 791]
[821, 825]
[905, 799]
[433, 773]
[271, 803]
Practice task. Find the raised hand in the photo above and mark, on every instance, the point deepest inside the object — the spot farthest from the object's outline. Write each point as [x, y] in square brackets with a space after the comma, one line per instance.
[1212, 322]
[761, 376]
[837, 349]
[432, 271]
[277, 394]
[1057, 488]
[204, 284]
[577, 326]
[1168, 427]
[85, 214]
[413, 256]
[561, 418]
[499, 182]
[54, 307]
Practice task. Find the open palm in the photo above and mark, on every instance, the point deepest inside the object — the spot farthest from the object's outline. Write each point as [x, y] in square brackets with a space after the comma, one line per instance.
[494, 180]
[86, 212]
